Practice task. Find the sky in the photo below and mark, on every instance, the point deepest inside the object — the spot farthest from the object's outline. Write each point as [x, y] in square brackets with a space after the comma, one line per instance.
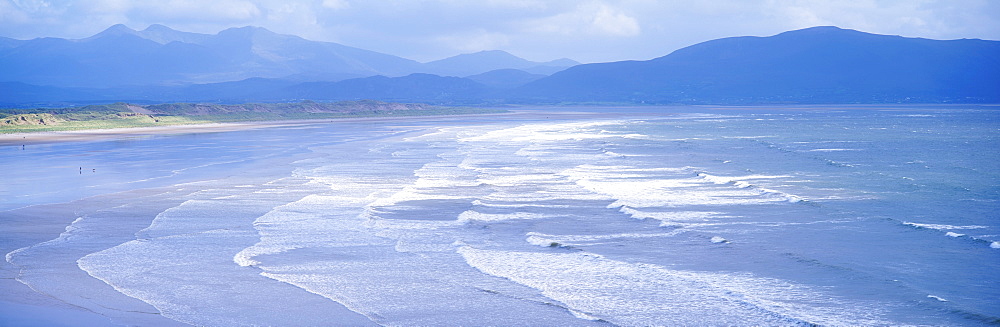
[538, 30]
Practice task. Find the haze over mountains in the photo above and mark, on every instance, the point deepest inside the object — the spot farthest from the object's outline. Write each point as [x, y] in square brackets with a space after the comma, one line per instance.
[814, 65]
[158, 55]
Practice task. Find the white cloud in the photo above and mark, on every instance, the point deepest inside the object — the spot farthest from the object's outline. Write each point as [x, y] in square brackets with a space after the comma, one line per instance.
[336, 4]
[190, 10]
[590, 30]
[612, 22]
[31, 6]
[11, 14]
[587, 19]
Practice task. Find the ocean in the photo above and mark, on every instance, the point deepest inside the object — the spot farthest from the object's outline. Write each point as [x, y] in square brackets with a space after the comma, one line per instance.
[627, 216]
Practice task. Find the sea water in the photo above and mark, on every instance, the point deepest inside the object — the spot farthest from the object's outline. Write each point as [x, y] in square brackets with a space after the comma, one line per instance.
[647, 216]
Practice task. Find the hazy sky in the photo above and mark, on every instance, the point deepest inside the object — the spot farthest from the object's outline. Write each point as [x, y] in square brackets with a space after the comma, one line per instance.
[541, 30]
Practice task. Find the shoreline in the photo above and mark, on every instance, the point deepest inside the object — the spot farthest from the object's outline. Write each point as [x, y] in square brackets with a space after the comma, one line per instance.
[103, 134]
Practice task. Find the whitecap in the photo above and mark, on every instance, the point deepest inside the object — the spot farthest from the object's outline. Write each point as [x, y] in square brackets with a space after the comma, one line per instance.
[832, 150]
[942, 227]
[937, 298]
[472, 215]
[669, 217]
[642, 294]
[550, 240]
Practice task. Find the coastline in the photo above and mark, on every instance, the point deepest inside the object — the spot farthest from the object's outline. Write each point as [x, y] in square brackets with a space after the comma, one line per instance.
[101, 134]
[98, 134]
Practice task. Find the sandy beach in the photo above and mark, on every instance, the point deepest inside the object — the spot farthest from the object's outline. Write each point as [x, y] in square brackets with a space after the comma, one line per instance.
[99, 134]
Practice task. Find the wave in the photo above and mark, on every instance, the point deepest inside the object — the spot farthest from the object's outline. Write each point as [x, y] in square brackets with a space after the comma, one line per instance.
[551, 240]
[472, 215]
[635, 294]
[942, 227]
[548, 132]
[948, 231]
[481, 203]
[667, 187]
[833, 150]
[667, 218]
[741, 182]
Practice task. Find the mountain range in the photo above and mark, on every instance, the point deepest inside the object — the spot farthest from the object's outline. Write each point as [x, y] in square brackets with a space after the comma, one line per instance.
[159, 55]
[813, 65]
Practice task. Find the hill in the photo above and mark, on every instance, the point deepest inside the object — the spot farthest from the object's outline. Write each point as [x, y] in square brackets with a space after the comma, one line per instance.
[484, 61]
[813, 65]
[160, 56]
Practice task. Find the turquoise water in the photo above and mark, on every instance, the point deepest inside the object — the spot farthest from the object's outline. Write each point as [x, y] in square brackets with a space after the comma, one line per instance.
[602, 216]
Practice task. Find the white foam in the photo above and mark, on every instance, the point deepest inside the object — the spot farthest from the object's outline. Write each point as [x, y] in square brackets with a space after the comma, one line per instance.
[63, 237]
[741, 182]
[832, 150]
[547, 240]
[670, 187]
[942, 227]
[472, 215]
[479, 202]
[995, 245]
[518, 180]
[637, 294]
[719, 239]
[953, 234]
[937, 298]
[671, 216]
[412, 194]
[750, 137]
[439, 132]
[548, 132]
[583, 316]
[244, 258]
[541, 241]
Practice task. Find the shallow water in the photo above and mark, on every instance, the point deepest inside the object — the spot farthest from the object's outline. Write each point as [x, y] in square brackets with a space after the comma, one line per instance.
[612, 216]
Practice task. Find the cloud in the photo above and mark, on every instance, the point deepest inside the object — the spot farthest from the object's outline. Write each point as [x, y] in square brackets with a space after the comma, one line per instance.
[613, 22]
[198, 10]
[11, 14]
[336, 4]
[589, 31]
[587, 19]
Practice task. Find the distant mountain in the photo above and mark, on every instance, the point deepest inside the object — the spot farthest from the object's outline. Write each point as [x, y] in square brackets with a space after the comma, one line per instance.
[411, 88]
[163, 35]
[6, 42]
[156, 33]
[813, 65]
[505, 78]
[158, 55]
[120, 56]
[480, 62]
